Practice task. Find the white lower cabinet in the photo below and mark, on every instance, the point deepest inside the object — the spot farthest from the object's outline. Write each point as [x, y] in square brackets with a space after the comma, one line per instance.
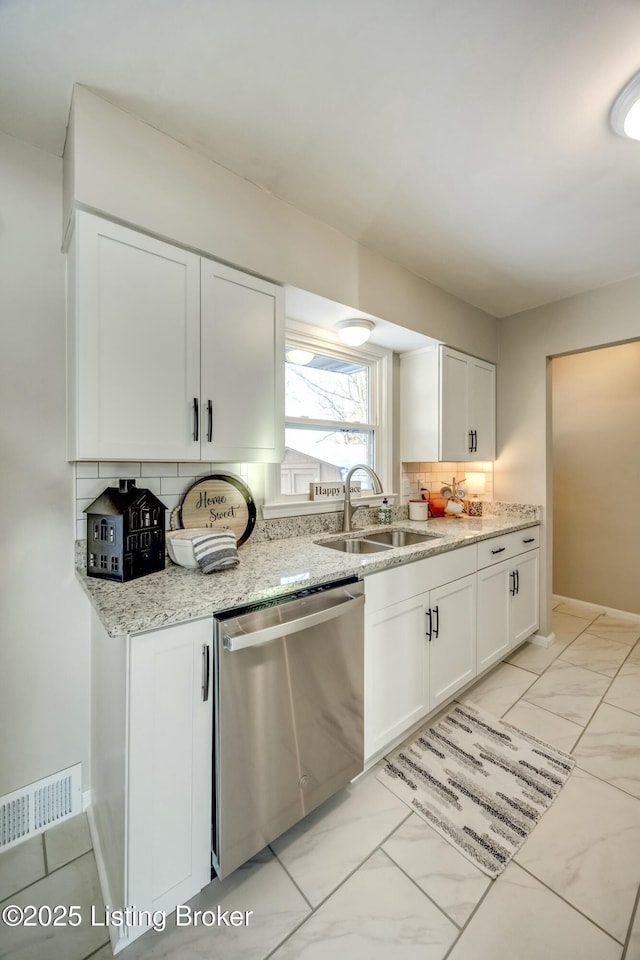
[420, 649]
[452, 648]
[151, 766]
[395, 671]
[433, 625]
[508, 606]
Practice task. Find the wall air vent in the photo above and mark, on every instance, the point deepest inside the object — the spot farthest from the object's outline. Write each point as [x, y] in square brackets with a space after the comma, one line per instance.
[32, 810]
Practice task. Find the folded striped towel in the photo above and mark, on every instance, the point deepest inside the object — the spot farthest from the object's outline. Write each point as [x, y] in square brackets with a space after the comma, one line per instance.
[215, 550]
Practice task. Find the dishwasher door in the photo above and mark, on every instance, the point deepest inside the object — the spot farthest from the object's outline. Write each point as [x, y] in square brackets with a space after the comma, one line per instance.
[289, 715]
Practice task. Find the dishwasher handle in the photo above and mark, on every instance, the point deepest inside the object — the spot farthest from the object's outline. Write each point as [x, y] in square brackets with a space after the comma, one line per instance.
[295, 625]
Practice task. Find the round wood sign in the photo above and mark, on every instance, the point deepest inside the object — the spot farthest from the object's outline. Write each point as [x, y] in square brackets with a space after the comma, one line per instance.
[220, 501]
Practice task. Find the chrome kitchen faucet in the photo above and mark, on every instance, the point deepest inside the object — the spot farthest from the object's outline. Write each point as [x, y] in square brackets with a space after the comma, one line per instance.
[348, 506]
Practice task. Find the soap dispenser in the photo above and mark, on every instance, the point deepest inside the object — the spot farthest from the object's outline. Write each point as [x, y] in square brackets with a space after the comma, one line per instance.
[385, 512]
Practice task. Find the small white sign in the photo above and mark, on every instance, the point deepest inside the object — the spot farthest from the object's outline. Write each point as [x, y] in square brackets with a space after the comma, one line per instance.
[332, 489]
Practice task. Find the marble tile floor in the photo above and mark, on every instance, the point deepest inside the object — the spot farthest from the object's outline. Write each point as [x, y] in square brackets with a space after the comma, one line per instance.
[364, 877]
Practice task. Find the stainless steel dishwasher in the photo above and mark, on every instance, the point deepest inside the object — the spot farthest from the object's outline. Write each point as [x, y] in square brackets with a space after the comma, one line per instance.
[288, 713]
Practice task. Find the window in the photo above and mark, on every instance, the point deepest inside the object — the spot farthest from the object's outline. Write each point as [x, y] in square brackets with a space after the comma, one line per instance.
[333, 416]
[114, 564]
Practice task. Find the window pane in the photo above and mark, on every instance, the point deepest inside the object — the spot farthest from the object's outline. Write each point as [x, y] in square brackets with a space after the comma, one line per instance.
[320, 453]
[327, 388]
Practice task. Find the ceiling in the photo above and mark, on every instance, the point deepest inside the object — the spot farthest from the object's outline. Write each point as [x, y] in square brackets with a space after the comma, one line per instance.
[467, 140]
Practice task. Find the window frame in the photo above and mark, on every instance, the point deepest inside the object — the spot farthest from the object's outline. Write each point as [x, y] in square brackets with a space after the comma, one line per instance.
[380, 363]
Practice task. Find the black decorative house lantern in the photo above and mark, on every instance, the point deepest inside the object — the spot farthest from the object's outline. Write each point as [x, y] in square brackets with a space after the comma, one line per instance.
[125, 533]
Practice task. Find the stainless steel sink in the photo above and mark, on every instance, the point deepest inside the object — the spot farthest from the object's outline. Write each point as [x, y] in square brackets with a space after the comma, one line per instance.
[400, 538]
[355, 545]
[373, 542]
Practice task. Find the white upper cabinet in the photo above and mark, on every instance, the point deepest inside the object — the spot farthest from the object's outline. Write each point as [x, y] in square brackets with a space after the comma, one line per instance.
[447, 406]
[242, 362]
[133, 335]
[170, 356]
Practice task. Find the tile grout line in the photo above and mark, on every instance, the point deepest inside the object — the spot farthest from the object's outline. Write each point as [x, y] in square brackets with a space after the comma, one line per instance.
[293, 881]
[607, 783]
[423, 892]
[470, 917]
[634, 913]
[341, 884]
[568, 903]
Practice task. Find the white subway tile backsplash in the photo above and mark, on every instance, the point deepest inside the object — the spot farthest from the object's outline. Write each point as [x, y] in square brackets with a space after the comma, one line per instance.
[158, 470]
[194, 469]
[85, 470]
[91, 488]
[151, 483]
[81, 529]
[114, 468]
[81, 504]
[175, 484]
[433, 476]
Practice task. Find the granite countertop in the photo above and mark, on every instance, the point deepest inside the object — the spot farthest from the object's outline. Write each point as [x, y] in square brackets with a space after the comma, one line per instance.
[270, 569]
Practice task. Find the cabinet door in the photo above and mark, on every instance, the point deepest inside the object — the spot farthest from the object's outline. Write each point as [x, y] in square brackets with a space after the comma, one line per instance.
[135, 330]
[525, 603]
[242, 366]
[419, 405]
[452, 650]
[482, 409]
[494, 614]
[454, 404]
[169, 766]
[395, 672]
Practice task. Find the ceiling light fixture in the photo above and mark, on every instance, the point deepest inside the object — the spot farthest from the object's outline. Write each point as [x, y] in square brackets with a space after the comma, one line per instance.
[301, 357]
[354, 332]
[625, 113]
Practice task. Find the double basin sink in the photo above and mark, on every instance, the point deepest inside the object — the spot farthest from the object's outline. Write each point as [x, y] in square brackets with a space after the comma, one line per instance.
[375, 542]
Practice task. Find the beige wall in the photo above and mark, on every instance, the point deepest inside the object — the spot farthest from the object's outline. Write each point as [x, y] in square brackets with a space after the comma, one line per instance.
[523, 468]
[44, 620]
[596, 476]
[122, 167]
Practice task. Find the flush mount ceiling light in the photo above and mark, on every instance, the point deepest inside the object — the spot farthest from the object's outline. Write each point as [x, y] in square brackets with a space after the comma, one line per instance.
[354, 332]
[625, 113]
[301, 357]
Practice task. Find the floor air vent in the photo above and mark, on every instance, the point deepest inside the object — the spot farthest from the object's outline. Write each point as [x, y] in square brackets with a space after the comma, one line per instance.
[32, 810]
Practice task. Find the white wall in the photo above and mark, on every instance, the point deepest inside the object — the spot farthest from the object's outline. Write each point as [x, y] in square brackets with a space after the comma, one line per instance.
[122, 167]
[600, 317]
[44, 620]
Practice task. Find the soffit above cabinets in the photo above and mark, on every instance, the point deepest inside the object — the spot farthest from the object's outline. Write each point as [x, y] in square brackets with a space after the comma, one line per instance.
[316, 311]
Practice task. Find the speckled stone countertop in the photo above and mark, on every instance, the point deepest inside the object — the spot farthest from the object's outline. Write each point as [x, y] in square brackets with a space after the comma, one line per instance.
[272, 568]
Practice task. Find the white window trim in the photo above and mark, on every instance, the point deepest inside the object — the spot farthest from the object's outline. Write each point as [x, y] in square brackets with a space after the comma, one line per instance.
[278, 504]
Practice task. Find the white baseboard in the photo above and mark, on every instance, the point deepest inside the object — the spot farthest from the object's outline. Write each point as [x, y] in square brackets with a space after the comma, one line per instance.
[598, 608]
[541, 639]
[118, 941]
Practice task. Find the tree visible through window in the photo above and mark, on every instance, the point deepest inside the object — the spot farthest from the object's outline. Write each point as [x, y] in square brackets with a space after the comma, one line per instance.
[330, 421]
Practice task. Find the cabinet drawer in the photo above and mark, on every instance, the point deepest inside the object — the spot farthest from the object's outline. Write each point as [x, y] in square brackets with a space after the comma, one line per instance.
[506, 546]
[391, 586]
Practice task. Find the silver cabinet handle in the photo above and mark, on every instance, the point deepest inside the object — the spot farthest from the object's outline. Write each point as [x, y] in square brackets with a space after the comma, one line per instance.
[242, 640]
[206, 669]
